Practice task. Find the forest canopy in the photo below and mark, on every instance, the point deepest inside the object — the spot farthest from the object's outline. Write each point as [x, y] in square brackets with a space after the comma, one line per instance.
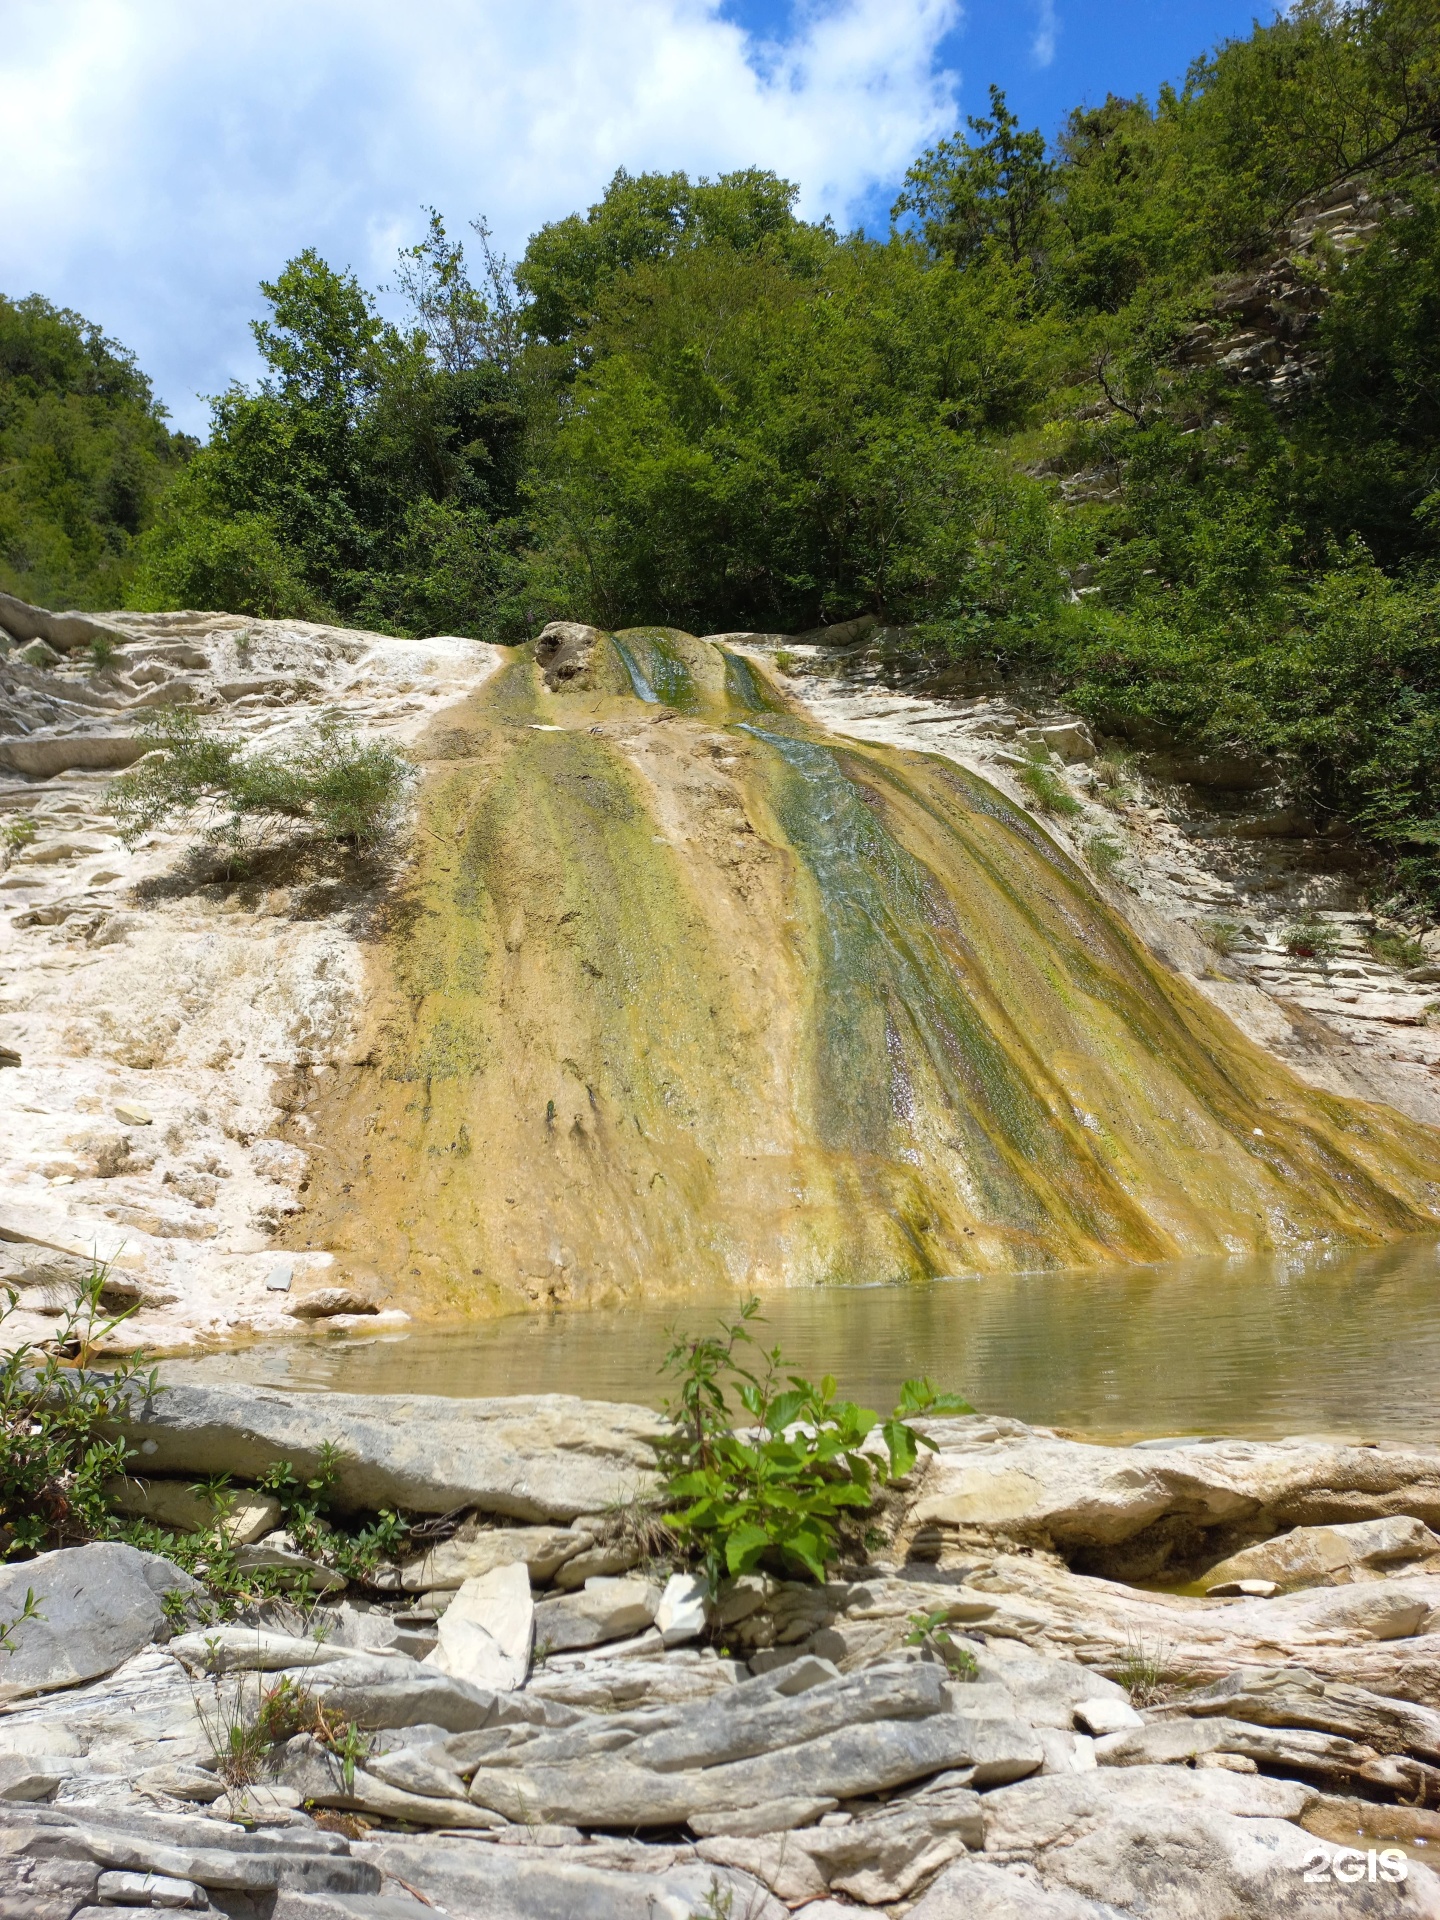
[1147, 411]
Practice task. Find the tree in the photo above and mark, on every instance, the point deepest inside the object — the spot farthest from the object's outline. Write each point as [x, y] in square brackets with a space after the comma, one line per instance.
[972, 197]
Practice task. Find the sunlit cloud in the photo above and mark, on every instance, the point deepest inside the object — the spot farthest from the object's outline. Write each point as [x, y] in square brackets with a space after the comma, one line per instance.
[1047, 29]
[165, 155]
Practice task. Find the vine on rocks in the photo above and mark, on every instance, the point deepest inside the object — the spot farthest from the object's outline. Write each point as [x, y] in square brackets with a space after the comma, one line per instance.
[778, 1491]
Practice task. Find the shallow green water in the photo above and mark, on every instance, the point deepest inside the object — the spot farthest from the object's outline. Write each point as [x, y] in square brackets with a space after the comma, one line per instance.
[1345, 1344]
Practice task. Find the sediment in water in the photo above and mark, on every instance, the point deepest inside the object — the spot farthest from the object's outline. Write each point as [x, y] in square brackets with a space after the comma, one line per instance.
[683, 991]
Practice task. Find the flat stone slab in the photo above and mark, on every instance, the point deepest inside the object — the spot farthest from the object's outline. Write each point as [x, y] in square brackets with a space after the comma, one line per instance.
[534, 1457]
[98, 1605]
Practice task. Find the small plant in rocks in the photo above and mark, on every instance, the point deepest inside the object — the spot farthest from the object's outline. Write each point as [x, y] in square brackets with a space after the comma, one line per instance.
[1144, 1671]
[932, 1630]
[17, 833]
[1048, 790]
[1221, 936]
[777, 1491]
[1396, 949]
[54, 1458]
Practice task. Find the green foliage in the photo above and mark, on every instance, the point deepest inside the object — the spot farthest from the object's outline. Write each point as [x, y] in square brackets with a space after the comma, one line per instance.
[1221, 936]
[1105, 855]
[84, 456]
[974, 197]
[325, 782]
[1049, 791]
[30, 1610]
[1396, 949]
[780, 1490]
[929, 1630]
[1311, 938]
[55, 1456]
[18, 833]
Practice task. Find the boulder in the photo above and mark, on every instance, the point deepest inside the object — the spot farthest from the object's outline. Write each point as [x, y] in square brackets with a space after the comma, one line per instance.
[173, 1503]
[855, 1760]
[972, 1889]
[468, 1556]
[97, 1606]
[1105, 1714]
[323, 1303]
[1325, 1556]
[1051, 1809]
[43, 754]
[288, 1568]
[1181, 1742]
[1033, 1486]
[563, 651]
[876, 1860]
[604, 1609]
[315, 1773]
[531, 1457]
[533, 1883]
[1070, 739]
[1293, 1697]
[488, 1630]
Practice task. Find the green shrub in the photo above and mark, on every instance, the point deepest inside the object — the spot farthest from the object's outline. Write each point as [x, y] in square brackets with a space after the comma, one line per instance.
[196, 559]
[1311, 938]
[1048, 790]
[1396, 949]
[777, 1492]
[1221, 936]
[1105, 856]
[326, 782]
[54, 1460]
[17, 833]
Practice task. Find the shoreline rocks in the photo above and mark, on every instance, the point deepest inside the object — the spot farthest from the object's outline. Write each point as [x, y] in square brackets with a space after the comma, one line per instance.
[970, 1725]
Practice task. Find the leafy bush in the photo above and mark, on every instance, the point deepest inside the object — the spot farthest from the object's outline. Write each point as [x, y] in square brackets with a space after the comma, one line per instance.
[1221, 936]
[1311, 938]
[194, 558]
[17, 833]
[1048, 790]
[1106, 856]
[326, 781]
[54, 1462]
[779, 1491]
[1396, 949]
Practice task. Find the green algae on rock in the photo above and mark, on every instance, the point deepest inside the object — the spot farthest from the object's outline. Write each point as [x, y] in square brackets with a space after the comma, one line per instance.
[682, 991]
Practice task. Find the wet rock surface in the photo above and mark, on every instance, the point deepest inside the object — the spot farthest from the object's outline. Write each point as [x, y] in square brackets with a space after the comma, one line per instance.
[1073, 1748]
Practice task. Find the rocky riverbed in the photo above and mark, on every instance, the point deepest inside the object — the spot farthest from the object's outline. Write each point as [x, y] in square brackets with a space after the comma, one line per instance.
[988, 1715]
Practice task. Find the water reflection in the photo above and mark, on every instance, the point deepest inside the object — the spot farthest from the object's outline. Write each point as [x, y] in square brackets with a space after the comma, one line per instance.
[1349, 1343]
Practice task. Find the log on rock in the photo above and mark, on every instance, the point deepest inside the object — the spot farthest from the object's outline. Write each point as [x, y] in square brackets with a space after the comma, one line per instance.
[534, 1457]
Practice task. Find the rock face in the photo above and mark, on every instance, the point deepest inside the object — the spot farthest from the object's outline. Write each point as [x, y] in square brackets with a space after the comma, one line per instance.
[1321, 1556]
[97, 1605]
[539, 1457]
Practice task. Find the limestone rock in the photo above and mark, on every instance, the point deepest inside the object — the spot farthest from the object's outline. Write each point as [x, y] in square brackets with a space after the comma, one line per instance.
[563, 652]
[855, 1760]
[291, 1569]
[1106, 1715]
[681, 1615]
[318, 1777]
[1029, 1484]
[174, 1504]
[1050, 1810]
[1181, 1741]
[488, 1630]
[604, 1609]
[461, 1558]
[875, 1860]
[1292, 1697]
[323, 1303]
[1317, 1556]
[504, 1883]
[98, 1605]
[530, 1457]
[971, 1889]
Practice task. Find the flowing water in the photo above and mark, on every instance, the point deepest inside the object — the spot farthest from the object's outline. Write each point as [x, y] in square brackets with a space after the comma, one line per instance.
[1347, 1344]
[682, 993]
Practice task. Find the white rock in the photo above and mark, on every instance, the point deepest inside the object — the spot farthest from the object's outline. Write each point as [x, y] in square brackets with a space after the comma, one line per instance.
[487, 1633]
[681, 1614]
[1106, 1715]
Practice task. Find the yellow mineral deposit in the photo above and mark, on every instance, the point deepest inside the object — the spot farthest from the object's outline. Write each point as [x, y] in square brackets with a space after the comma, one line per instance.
[684, 992]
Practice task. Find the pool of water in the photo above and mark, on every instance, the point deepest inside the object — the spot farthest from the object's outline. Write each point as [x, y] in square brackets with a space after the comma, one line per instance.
[1349, 1343]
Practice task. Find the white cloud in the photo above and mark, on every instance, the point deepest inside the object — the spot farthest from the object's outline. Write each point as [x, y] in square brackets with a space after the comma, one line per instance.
[164, 155]
[1047, 28]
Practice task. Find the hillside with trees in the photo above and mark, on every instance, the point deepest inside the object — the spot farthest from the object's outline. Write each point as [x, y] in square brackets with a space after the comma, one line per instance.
[1149, 413]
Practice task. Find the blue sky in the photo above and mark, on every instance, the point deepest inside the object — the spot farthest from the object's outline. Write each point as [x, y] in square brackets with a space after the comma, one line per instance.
[162, 156]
